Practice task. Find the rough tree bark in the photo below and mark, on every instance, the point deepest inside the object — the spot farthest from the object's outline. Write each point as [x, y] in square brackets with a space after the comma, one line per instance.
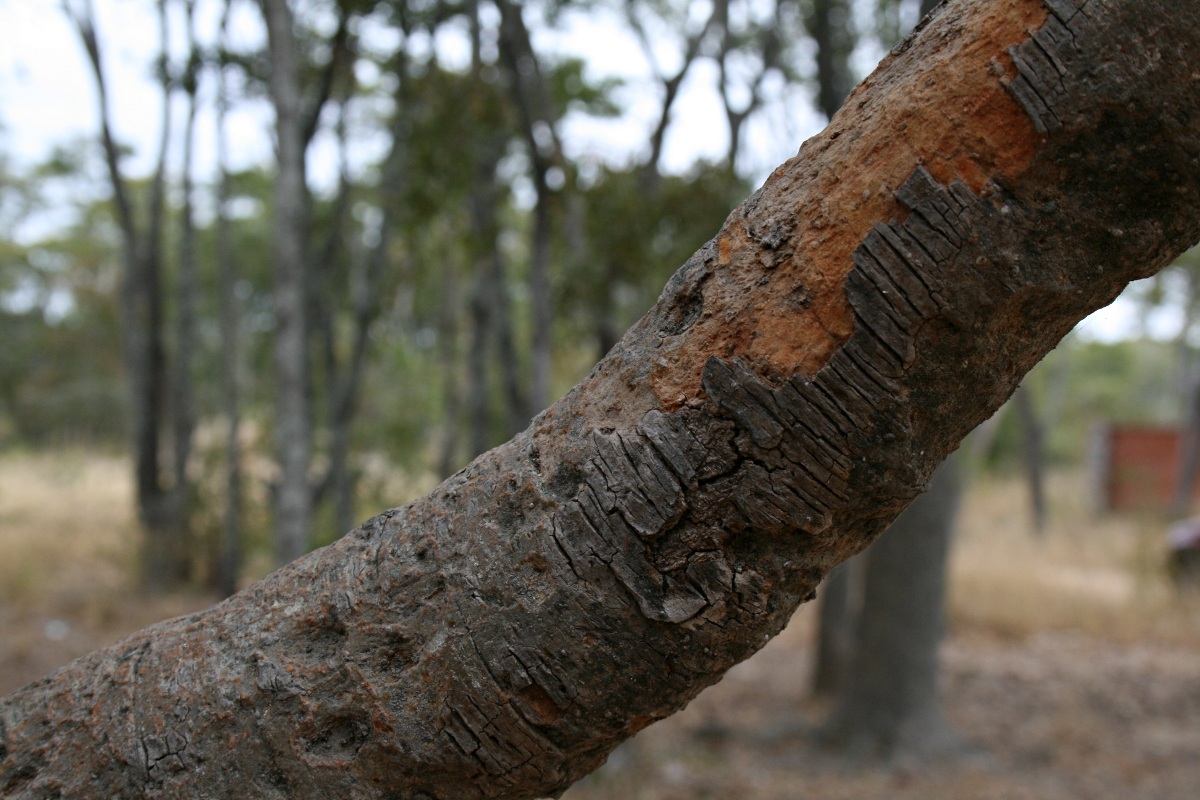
[1006, 171]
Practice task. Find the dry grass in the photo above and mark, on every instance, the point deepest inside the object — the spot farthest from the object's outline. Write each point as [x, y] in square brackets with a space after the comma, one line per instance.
[1071, 664]
[65, 525]
[1098, 574]
[69, 543]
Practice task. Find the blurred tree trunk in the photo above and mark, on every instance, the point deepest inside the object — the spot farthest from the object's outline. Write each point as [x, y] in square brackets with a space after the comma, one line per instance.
[164, 556]
[290, 232]
[889, 704]
[838, 604]
[183, 401]
[296, 122]
[831, 25]
[604, 310]
[228, 555]
[366, 298]
[339, 382]
[1188, 468]
[1033, 447]
[479, 409]
[448, 355]
[1189, 456]
[491, 317]
[499, 637]
[539, 125]
[491, 329]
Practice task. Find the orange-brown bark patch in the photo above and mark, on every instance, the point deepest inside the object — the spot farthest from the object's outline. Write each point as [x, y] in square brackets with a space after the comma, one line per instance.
[541, 702]
[945, 107]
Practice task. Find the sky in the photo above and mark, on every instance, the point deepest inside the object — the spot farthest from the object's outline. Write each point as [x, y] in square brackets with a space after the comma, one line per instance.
[47, 98]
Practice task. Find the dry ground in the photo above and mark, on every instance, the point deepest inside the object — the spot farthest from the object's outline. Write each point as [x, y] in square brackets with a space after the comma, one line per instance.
[1071, 669]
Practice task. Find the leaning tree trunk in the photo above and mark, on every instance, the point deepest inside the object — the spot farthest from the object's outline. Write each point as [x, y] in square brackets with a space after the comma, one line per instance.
[1005, 171]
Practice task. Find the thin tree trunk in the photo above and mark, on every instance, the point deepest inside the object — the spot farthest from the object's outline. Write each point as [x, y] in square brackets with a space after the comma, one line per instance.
[485, 305]
[293, 412]
[508, 363]
[165, 555]
[367, 291]
[536, 108]
[228, 561]
[479, 407]
[831, 27]
[837, 606]
[330, 271]
[500, 636]
[604, 311]
[163, 562]
[448, 357]
[183, 410]
[540, 344]
[1032, 437]
[1188, 468]
[1189, 457]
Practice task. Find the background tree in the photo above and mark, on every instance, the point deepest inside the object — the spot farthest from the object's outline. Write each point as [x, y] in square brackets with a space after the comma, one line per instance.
[228, 552]
[160, 506]
[889, 704]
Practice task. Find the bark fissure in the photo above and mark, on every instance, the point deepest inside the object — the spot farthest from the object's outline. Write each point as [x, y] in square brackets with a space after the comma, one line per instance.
[1047, 60]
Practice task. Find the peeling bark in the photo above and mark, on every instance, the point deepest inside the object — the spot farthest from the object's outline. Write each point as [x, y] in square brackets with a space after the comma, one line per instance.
[793, 389]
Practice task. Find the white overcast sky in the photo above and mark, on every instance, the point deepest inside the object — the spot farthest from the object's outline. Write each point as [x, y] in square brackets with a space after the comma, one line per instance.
[47, 98]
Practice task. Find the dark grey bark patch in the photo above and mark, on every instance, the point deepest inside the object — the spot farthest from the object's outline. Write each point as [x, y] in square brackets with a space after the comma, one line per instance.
[339, 735]
[687, 287]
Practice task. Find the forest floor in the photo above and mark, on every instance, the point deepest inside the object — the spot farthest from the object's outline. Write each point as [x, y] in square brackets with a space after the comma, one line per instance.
[1071, 668]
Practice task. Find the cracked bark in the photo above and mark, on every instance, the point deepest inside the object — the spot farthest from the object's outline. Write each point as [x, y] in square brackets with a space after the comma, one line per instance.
[793, 389]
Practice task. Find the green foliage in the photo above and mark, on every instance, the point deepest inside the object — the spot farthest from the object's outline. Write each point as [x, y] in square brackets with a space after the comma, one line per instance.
[1085, 383]
[60, 373]
[640, 231]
